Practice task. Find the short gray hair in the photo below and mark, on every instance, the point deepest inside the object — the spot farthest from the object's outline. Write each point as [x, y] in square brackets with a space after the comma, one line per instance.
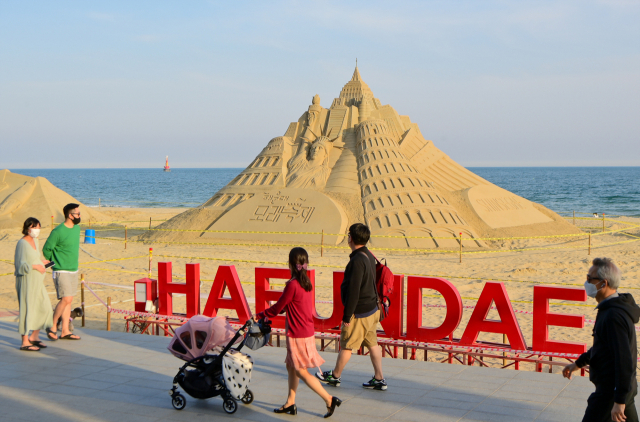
[608, 270]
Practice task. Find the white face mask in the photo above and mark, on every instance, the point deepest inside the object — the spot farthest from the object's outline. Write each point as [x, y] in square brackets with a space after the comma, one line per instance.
[34, 233]
[591, 289]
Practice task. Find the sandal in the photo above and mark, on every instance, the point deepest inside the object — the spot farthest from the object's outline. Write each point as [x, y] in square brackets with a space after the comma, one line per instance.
[51, 334]
[39, 344]
[70, 337]
[29, 348]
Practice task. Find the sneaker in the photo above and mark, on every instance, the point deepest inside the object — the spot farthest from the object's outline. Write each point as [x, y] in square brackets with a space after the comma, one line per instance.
[375, 384]
[327, 376]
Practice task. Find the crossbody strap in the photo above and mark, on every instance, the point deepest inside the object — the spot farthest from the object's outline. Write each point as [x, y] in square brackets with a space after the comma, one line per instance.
[375, 287]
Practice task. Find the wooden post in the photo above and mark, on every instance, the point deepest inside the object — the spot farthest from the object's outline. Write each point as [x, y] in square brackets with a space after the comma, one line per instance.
[589, 244]
[98, 202]
[82, 296]
[150, 258]
[149, 223]
[322, 244]
[125, 237]
[602, 222]
[461, 248]
[574, 218]
[109, 313]
[51, 222]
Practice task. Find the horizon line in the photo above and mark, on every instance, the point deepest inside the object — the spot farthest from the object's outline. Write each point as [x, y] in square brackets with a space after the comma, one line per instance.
[232, 168]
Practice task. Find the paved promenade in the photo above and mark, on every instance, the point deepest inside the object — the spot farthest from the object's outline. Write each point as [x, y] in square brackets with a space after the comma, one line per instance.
[114, 376]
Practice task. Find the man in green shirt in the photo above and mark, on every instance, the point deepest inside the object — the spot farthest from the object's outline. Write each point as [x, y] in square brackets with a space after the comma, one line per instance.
[63, 248]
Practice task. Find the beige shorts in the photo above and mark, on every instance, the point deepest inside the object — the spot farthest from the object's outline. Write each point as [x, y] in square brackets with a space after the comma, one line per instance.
[360, 332]
[66, 283]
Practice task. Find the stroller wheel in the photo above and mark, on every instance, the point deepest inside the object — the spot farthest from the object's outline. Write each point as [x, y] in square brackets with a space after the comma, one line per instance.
[230, 406]
[178, 401]
[248, 397]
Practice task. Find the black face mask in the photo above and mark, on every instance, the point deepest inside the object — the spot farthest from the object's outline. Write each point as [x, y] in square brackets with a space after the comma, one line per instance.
[76, 220]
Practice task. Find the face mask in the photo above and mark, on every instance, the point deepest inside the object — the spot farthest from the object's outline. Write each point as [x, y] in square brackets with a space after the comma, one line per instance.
[34, 233]
[591, 289]
[76, 221]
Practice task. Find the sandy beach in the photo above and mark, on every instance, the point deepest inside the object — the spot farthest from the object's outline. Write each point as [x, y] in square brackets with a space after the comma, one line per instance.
[519, 270]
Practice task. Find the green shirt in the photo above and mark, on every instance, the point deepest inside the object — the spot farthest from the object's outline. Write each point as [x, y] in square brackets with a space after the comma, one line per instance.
[63, 248]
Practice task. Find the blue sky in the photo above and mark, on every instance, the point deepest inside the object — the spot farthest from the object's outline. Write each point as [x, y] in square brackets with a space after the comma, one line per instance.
[492, 83]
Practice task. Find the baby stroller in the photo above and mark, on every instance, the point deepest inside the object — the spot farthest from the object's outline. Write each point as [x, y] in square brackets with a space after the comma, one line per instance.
[225, 371]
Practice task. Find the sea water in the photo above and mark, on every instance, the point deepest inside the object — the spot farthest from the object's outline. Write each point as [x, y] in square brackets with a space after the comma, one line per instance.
[613, 190]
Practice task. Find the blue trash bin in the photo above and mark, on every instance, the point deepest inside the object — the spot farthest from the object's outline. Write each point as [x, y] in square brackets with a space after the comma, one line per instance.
[90, 236]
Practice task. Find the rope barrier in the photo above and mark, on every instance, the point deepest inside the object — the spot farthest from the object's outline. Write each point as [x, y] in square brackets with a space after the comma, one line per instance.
[578, 235]
[634, 225]
[423, 250]
[115, 259]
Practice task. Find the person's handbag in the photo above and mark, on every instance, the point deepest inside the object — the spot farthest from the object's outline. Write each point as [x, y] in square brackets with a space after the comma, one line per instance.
[258, 334]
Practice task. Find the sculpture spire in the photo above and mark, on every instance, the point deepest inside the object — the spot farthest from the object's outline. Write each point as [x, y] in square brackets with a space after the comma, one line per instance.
[356, 89]
[356, 74]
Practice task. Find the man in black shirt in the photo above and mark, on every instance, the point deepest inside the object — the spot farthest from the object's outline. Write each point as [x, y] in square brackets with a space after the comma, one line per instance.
[361, 314]
[612, 359]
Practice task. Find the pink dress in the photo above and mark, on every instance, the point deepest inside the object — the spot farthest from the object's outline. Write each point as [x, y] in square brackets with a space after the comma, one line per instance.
[299, 306]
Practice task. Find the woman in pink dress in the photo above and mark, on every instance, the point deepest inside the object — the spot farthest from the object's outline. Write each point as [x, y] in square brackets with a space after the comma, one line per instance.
[297, 301]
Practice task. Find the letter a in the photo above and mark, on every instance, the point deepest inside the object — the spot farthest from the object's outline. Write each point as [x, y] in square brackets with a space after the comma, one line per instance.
[227, 276]
[508, 324]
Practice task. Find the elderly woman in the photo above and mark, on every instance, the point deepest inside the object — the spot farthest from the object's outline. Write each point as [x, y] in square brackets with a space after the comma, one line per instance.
[36, 312]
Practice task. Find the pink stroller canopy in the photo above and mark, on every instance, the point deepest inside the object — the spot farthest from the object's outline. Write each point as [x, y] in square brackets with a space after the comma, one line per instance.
[199, 335]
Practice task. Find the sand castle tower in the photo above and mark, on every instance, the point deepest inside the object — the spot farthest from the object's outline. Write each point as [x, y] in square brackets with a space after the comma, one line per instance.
[360, 161]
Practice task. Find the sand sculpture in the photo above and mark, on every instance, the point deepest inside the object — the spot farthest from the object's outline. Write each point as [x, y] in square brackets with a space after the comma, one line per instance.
[360, 161]
[23, 196]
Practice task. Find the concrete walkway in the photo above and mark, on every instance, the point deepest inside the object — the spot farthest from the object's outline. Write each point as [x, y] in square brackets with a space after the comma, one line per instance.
[113, 376]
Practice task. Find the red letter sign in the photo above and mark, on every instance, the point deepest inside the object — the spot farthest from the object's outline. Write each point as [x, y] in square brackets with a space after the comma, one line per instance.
[333, 322]
[166, 289]
[415, 330]
[508, 324]
[227, 277]
[542, 319]
[393, 323]
[264, 294]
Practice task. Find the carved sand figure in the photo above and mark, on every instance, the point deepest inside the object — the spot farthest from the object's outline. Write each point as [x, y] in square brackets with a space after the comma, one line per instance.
[310, 167]
[378, 170]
